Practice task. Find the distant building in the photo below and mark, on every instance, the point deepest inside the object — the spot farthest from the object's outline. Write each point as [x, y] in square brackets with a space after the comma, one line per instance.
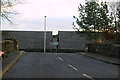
[30, 40]
[34, 40]
[70, 40]
[91, 0]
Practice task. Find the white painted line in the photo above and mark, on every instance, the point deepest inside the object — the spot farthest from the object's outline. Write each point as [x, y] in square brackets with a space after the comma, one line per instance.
[60, 58]
[82, 52]
[88, 76]
[73, 67]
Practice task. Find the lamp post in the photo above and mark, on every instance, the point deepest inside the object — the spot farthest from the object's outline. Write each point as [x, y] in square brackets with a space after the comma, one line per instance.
[45, 35]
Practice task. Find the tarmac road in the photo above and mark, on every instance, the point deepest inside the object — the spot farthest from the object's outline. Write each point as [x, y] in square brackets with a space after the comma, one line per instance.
[60, 65]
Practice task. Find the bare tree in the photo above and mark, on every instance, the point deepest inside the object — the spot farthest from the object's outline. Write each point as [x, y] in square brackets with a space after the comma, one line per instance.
[7, 9]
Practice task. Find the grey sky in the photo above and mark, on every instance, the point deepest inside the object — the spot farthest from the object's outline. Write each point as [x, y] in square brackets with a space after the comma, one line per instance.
[59, 15]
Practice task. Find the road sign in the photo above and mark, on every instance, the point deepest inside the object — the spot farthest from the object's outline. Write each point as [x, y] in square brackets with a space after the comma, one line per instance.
[55, 43]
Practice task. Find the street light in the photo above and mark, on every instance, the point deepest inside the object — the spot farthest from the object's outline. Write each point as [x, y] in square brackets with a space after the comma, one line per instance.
[45, 35]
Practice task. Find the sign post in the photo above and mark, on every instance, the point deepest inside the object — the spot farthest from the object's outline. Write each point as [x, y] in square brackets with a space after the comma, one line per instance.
[45, 35]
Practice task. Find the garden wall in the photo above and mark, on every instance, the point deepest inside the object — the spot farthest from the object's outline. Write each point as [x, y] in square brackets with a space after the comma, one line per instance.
[9, 45]
[105, 49]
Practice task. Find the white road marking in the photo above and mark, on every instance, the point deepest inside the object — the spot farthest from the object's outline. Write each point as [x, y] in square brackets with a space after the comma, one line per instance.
[82, 53]
[73, 67]
[88, 76]
[60, 58]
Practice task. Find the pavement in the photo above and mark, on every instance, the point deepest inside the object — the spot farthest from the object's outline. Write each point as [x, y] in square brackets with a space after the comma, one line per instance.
[11, 59]
[108, 59]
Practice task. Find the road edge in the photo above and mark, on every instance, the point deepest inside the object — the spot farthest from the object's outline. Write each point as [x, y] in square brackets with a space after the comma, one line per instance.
[4, 70]
[100, 59]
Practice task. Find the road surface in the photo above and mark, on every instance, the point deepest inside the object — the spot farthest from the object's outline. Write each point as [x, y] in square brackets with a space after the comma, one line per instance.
[60, 65]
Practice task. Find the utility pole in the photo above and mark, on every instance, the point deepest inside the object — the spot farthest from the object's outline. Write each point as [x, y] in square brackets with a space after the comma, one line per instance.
[45, 35]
